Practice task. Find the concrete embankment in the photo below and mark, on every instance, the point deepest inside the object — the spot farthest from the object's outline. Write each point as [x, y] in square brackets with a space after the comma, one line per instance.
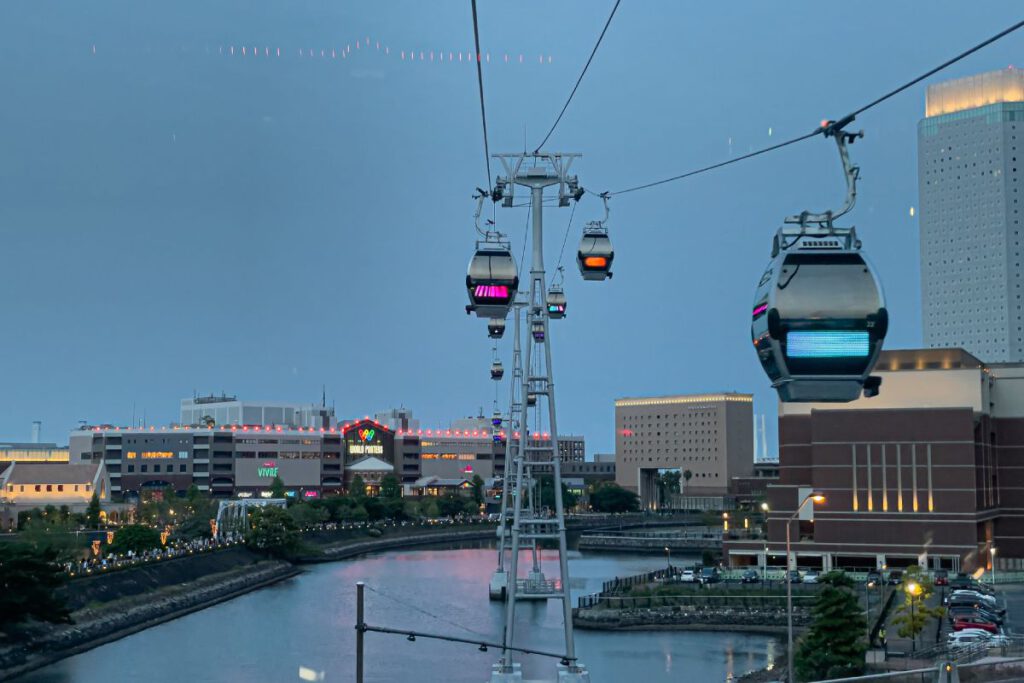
[687, 619]
[100, 623]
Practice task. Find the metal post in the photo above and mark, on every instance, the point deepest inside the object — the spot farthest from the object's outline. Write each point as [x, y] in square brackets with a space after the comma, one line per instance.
[913, 626]
[789, 604]
[359, 631]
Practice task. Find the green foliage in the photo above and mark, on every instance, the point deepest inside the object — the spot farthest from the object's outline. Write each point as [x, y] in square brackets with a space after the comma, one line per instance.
[273, 531]
[92, 512]
[547, 493]
[277, 488]
[708, 559]
[451, 505]
[913, 612]
[478, 489]
[375, 509]
[193, 527]
[834, 645]
[305, 515]
[29, 581]
[668, 486]
[431, 508]
[53, 532]
[412, 509]
[390, 487]
[610, 497]
[358, 487]
[359, 514]
[374, 532]
[136, 537]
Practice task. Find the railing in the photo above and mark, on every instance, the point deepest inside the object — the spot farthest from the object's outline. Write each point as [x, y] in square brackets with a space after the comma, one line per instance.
[743, 600]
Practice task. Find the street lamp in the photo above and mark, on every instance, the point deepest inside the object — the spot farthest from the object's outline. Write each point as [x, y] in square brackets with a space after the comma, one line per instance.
[764, 570]
[992, 552]
[817, 498]
[668, 559]
[913, 589]
[725, 521]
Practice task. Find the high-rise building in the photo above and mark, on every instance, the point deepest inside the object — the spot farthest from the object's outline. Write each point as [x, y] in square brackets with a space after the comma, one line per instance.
[709, 436]
[969, 181]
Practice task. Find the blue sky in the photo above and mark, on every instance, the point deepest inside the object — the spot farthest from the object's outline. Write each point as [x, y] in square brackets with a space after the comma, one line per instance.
[178, 219]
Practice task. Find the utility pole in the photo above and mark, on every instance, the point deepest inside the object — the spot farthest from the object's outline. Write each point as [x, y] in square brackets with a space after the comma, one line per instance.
[537, 171]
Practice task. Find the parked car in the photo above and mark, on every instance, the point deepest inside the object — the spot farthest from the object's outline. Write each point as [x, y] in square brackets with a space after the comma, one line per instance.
[895, 577]
[687, 576]
[974, 601]
[967, 631]
[941, 577]
[968, 641]
[972, 614]
[794, 576]
[874, 578]
[710, 575]
[980, 597]
[751, 576]
[961, 624]
[811, 576]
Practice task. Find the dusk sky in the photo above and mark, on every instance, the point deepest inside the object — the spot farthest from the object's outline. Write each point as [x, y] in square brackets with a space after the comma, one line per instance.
[178, 219]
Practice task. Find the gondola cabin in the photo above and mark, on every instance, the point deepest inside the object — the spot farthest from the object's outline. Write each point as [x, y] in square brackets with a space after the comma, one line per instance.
[595, 254]
[819, 317]
[492, 280]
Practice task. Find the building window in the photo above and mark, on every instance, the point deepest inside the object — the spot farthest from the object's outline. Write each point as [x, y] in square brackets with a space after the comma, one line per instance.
[49, 488]
[60, 488]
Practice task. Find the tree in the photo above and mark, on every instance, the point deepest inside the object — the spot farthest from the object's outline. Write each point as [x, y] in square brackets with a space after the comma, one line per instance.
[547, 493]
[478, 489]
[834, 645]
[450, 505]
[914, 612]
[92, 512]
[668, 483]
[29, 582]
[306, 515]
[208, 421]
[273, 531]
[687, 476]
[277, 488]
[390, 487]
[135, 537]
[611, 497]
[358, 487]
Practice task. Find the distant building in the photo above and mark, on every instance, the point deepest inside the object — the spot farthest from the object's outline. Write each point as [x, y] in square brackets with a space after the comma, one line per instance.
[25, 486]
[969, 177]
[228, 410]
[32, 452]
[925, 473]
[709, 435]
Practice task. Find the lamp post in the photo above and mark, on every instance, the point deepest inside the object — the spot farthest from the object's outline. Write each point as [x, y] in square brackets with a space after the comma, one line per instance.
[668, 560]
[817, 498]
[913, 589]
[764, 569]
[992, 552]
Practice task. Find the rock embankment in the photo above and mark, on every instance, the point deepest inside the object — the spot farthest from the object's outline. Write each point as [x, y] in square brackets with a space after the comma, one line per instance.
[115, 619]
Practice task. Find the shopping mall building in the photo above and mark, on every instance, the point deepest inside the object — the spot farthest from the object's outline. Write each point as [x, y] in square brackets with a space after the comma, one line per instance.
[242, 460]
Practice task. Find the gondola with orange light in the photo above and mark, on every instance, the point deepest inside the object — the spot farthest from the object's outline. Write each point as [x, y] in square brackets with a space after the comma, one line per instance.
[595, 253]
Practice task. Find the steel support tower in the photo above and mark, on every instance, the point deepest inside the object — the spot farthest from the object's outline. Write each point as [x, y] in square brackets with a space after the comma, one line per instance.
[531, 525]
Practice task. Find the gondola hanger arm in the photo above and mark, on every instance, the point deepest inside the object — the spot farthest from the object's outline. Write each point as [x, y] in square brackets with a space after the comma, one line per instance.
[851, 171]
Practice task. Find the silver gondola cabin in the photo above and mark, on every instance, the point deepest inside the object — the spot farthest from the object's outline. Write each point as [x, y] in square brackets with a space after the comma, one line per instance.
[819, 317]
[497, 370]
[495, 328]
[492, 279]
[595, 254]
[556, 302]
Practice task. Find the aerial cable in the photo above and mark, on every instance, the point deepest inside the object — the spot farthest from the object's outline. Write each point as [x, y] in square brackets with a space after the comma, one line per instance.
[564, 240]
[580, 79]
[829, 128]
[480, 83]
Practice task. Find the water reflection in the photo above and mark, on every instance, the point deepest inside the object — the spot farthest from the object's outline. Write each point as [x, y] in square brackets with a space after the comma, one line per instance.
[302, 628]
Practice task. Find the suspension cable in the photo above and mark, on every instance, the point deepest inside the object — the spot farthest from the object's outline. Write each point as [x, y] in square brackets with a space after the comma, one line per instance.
[564, 240]
[480, 83]
[580, 79]
[830, 127]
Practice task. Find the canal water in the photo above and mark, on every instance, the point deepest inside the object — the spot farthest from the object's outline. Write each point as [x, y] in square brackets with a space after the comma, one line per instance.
[302, 629]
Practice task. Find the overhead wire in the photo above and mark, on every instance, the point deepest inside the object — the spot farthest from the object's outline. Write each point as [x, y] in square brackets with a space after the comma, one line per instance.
[564, 240]
[409, 605]
[580, 79]
[480, 83]
[829, 127]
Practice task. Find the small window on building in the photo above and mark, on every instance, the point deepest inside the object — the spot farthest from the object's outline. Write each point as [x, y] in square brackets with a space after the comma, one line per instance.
[49, 488]
[60, 488]
[38, 488]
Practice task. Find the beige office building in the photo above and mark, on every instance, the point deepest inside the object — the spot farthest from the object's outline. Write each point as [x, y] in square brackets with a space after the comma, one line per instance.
[709, 435]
